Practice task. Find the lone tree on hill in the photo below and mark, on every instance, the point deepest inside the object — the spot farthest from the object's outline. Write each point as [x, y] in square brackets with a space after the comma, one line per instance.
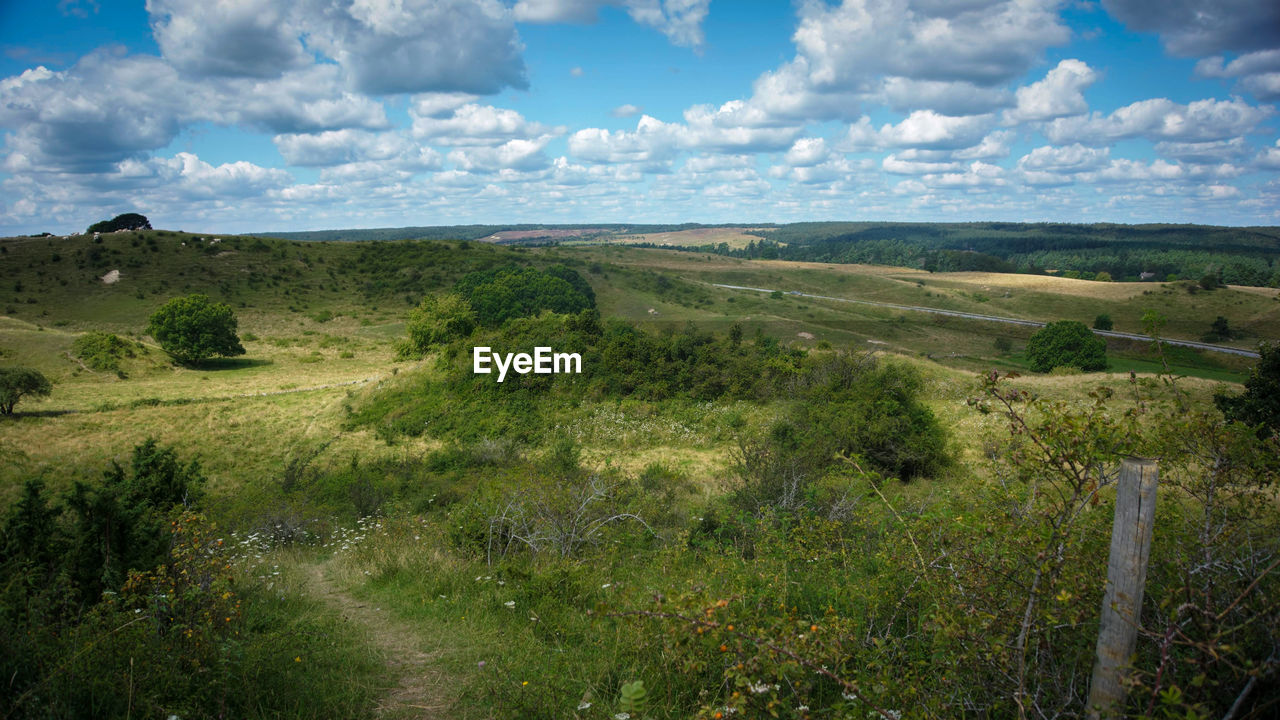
[17, 382]
[1066, 343]
[127, 221]
[193, 328]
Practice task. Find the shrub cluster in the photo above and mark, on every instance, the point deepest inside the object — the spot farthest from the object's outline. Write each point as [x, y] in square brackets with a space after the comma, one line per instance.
[510, 292]
[1066, 343]
[101, 351]
[122, 600]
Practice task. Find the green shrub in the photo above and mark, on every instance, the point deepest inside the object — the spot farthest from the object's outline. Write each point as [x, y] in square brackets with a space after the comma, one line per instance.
[858, 407]
[511, 292]
[1066, 343]
[437, 320]
[101, 351]
[1259, 404]
[1219, 331]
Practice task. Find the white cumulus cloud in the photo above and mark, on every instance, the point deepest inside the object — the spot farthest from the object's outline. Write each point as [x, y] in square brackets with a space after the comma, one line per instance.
[1057, 95]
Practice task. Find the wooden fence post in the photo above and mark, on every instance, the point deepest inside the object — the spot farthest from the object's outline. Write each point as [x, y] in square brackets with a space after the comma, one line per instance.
[1126, 577]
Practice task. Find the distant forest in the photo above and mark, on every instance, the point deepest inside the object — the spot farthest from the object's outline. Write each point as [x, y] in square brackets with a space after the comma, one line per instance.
[1236, 256]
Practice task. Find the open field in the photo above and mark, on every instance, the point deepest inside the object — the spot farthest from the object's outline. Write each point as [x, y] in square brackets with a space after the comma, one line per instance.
[735, 238]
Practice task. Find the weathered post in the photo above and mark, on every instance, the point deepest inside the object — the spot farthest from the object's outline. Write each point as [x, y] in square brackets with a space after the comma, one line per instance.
[1126, 577]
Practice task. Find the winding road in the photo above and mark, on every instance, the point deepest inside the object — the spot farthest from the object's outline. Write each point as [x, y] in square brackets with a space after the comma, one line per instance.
[995, 318]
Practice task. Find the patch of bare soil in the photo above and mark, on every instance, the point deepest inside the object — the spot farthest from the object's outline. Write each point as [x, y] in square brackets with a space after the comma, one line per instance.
[423, 690]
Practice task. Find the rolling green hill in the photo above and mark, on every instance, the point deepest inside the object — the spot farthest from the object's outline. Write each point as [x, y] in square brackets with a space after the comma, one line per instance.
[746, 487]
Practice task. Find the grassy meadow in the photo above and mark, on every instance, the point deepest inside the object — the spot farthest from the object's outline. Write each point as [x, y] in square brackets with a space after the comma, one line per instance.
[396, 538]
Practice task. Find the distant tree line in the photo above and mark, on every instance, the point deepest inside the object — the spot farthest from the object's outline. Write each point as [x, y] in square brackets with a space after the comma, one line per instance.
[1235, 256]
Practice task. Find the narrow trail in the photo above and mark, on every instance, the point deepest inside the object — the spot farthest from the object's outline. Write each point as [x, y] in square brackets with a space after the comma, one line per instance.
[422, 690]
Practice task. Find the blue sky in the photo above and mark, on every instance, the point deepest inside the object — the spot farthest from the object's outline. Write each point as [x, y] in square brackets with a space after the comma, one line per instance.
[241, 115]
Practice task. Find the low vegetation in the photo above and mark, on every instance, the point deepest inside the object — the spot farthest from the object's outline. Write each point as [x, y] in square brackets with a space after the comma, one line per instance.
[1066, 344]
[102, 351]
[746, 504]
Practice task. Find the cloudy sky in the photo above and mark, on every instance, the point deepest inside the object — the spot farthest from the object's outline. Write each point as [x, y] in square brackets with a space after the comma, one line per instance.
[238, 115]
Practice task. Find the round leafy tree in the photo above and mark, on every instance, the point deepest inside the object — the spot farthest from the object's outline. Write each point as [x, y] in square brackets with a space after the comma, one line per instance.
[17, 382]
[127, 221]
[193, 328]
[1066, 343]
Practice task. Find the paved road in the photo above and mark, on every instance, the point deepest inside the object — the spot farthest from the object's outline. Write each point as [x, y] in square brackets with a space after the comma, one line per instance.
[996, 318]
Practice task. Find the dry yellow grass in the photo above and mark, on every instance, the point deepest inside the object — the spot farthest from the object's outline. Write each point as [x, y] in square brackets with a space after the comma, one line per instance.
[1264, 292]
[1042, 283]
[846, 268]
[736, 237]
[707, 468]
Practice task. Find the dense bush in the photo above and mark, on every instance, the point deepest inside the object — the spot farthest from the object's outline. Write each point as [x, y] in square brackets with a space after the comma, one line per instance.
[511, 292]
[1219, 331]
[193, 328]
[1066, 343]
[437, 320]
[121, 600]
[849, 411]
[101, 351]
[1259, 404]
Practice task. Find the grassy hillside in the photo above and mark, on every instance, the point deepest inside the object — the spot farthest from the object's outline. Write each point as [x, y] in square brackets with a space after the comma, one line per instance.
[320, 321]
[522, 551]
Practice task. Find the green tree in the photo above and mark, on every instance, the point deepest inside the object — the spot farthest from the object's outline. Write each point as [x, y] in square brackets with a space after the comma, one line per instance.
[122, 524]
[436, 321]
[193, 328]
[1259, 404]
[127, 221]
[1220, 330]
[575, 279]
[1103, 322]
[1066, 343]
[19, 382]
[735, 335]
[511, 292]
[1102, 276]
[31, 533]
